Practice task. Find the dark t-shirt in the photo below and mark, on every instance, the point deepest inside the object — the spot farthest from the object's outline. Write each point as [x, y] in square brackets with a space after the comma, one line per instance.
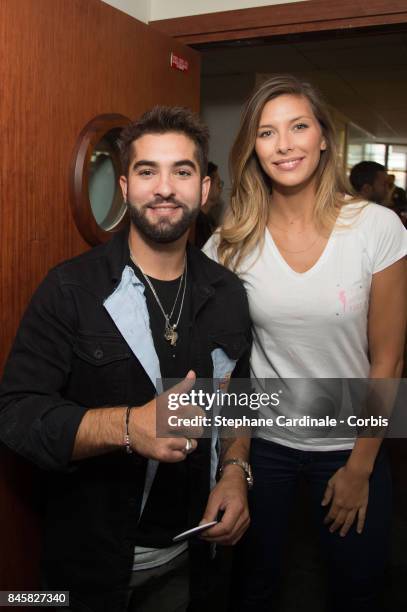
[165, 513]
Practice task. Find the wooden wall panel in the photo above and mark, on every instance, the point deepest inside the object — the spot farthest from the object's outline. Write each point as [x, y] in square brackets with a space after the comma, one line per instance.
[62, 63]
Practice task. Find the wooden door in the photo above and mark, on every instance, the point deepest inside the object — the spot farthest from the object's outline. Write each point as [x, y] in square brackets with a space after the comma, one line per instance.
[63, 62]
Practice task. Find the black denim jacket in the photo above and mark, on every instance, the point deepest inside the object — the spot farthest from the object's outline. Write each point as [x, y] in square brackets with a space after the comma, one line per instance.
[68, 356]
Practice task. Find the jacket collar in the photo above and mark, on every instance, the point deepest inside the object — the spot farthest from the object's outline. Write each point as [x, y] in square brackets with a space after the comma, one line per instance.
[118, 254]
[205, 273]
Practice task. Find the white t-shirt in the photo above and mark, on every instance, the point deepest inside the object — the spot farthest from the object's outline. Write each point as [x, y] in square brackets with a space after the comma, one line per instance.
[314, 324]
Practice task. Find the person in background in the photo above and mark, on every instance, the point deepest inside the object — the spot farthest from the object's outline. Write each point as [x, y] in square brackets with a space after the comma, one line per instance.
[215, 205]
[370, 181]
[80, 390]
[397, 199]
[211, 213]
[325, 275]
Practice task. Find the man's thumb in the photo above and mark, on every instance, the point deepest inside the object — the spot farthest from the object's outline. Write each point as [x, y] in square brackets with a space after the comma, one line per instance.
[188, 381]
[185, 385]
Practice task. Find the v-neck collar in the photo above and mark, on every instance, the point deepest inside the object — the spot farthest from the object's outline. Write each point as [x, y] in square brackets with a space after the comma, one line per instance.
[270, 241]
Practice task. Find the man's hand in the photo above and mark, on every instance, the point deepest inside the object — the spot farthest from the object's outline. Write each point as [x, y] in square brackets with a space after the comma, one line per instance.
[143, 426]
[348, 492]
[230, 497]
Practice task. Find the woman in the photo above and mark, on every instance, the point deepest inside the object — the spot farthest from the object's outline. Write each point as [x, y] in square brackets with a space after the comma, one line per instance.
[325, 277]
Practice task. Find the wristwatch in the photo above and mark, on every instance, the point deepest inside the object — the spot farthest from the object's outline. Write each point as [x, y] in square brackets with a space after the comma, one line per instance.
[245, 467]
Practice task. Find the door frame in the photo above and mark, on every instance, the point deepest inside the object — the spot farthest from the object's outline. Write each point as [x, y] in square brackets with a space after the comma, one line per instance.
[281, 19]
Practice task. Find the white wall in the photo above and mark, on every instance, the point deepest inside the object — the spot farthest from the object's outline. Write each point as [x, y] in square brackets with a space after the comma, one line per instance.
[166, 9]
[140, 9]
[221, 106]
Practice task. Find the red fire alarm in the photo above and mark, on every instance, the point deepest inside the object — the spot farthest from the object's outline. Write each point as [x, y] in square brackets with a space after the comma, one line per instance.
[179, 63]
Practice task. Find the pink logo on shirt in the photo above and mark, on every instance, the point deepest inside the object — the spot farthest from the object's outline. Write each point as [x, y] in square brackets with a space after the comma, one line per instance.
[342, 299]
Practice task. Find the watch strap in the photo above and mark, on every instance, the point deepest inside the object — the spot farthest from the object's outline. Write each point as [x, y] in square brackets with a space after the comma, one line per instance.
[244, 465]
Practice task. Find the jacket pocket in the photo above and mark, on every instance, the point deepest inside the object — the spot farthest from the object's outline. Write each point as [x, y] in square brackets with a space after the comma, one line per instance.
[100, 371]
[101, 351]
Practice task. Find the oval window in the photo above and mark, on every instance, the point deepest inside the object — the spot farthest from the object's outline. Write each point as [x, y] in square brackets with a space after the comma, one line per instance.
[96, 198]
[105, 196]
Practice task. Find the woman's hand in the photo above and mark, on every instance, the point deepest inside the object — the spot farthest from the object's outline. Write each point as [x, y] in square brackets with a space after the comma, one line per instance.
[348, 492]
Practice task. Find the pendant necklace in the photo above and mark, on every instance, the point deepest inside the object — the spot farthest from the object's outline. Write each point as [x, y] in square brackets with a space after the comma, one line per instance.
[170, 330]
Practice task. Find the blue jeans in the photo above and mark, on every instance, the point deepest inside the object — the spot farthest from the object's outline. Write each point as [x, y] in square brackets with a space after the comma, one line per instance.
[355, 563]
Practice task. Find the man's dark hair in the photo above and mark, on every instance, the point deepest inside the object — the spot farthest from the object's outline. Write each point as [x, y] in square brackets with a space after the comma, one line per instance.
[161, 120]
[364, 173]
[212, 168]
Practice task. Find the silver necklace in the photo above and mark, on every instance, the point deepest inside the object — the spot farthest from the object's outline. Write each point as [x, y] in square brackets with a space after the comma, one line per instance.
[170, 330]
[302, 250]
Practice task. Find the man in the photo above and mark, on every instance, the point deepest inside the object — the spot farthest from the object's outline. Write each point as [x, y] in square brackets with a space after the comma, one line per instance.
[214, 205]
[369, 180]
[397, 199]
[210, 215]
[79, 391]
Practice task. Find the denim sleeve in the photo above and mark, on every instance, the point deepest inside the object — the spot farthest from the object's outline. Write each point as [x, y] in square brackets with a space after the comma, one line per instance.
[35, 419]
[240, 382]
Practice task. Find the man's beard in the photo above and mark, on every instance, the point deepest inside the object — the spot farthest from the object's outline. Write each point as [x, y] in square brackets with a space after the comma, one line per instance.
[163, 231]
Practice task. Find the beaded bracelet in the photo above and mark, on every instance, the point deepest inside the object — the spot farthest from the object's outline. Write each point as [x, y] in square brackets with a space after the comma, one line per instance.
[129, 450]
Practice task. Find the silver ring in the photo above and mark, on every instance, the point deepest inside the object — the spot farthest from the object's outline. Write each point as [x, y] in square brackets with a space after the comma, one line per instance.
[188, 447]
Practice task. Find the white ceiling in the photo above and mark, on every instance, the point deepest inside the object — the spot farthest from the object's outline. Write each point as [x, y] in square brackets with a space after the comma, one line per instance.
[151, 10]
[168, 9]
[364, 77]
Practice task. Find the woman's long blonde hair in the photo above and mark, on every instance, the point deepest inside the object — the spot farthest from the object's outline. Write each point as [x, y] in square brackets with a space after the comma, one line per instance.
[246, 221]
